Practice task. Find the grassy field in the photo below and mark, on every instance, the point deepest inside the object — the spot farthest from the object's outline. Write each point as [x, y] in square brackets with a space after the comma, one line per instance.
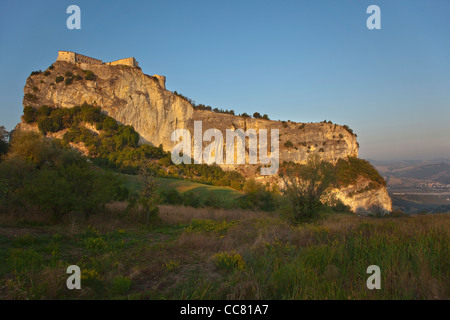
[224, 195]
[224, 254]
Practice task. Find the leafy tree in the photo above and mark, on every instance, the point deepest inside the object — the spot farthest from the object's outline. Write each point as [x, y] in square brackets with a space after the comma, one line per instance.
[148, 196]
[49, 190]
[305, 184]
[257, 115]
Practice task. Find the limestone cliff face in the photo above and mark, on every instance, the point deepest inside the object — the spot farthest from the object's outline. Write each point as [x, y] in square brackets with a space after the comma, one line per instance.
[330, 141]
[363, 201]
[124, 93]
[134, 98]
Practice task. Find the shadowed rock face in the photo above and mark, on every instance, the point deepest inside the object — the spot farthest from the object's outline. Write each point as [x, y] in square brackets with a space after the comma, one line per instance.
[134, 98]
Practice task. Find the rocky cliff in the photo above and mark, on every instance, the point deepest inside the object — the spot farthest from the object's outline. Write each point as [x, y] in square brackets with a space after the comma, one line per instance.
[134, 98]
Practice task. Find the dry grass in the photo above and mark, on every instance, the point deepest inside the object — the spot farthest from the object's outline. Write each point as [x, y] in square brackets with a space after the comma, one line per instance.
[174, 259]
[181, 215]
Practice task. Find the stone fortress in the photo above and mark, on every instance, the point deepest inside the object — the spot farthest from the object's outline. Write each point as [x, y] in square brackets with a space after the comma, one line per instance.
[74, 57]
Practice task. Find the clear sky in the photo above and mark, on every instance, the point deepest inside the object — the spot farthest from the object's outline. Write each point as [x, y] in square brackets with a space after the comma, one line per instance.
[303, 61]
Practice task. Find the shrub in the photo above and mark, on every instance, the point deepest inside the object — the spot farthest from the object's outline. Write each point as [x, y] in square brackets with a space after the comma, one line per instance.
[46, 73]
[190, 199]
[89, 75]
[58, 79]
[120, 285]
[68, 81]
[68, 74]
[257, 115]
[51, 67]
[265, 117]
[29, 114]
[36, 73]
[24, 261]
[207, 226]
[229, 261]
[347, 128]
[288, 144]
[30, 96]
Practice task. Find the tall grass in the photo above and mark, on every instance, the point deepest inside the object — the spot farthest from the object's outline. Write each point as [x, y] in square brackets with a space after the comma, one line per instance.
[226, 254]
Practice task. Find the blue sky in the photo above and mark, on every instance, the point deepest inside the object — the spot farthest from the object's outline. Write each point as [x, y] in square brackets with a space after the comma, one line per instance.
[304, 61]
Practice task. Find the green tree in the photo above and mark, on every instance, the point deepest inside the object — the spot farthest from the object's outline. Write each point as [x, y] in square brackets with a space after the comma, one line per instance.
[305, 184]
[148, 196]
[49, 190]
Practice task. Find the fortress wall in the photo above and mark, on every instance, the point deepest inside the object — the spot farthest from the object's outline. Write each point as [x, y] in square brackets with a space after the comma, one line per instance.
[85, 59]
[127, 61]
[73, 57]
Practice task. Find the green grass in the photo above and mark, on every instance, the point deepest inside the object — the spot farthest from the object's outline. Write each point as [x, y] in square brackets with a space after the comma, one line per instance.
[225, 195]
[249, 257]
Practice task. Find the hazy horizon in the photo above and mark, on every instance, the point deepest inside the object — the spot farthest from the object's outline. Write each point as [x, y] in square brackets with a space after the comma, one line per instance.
[293, 60]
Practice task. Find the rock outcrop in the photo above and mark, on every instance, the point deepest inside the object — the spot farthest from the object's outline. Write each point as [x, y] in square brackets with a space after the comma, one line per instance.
[134, 98]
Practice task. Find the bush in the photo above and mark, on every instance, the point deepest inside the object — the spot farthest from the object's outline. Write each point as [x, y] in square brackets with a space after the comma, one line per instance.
[68, 81]
[35, 73]
[58, 79]
[190, 199]
[68, 74]
[347, 128]
[29, 114]
[288, 144]
[30, 96]
[89, 75]
[46, 73]
[171, 196]
[120, 285]
[229, 261]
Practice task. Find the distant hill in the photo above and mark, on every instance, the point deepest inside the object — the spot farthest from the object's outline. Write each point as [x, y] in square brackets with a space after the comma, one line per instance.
[417, 186]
